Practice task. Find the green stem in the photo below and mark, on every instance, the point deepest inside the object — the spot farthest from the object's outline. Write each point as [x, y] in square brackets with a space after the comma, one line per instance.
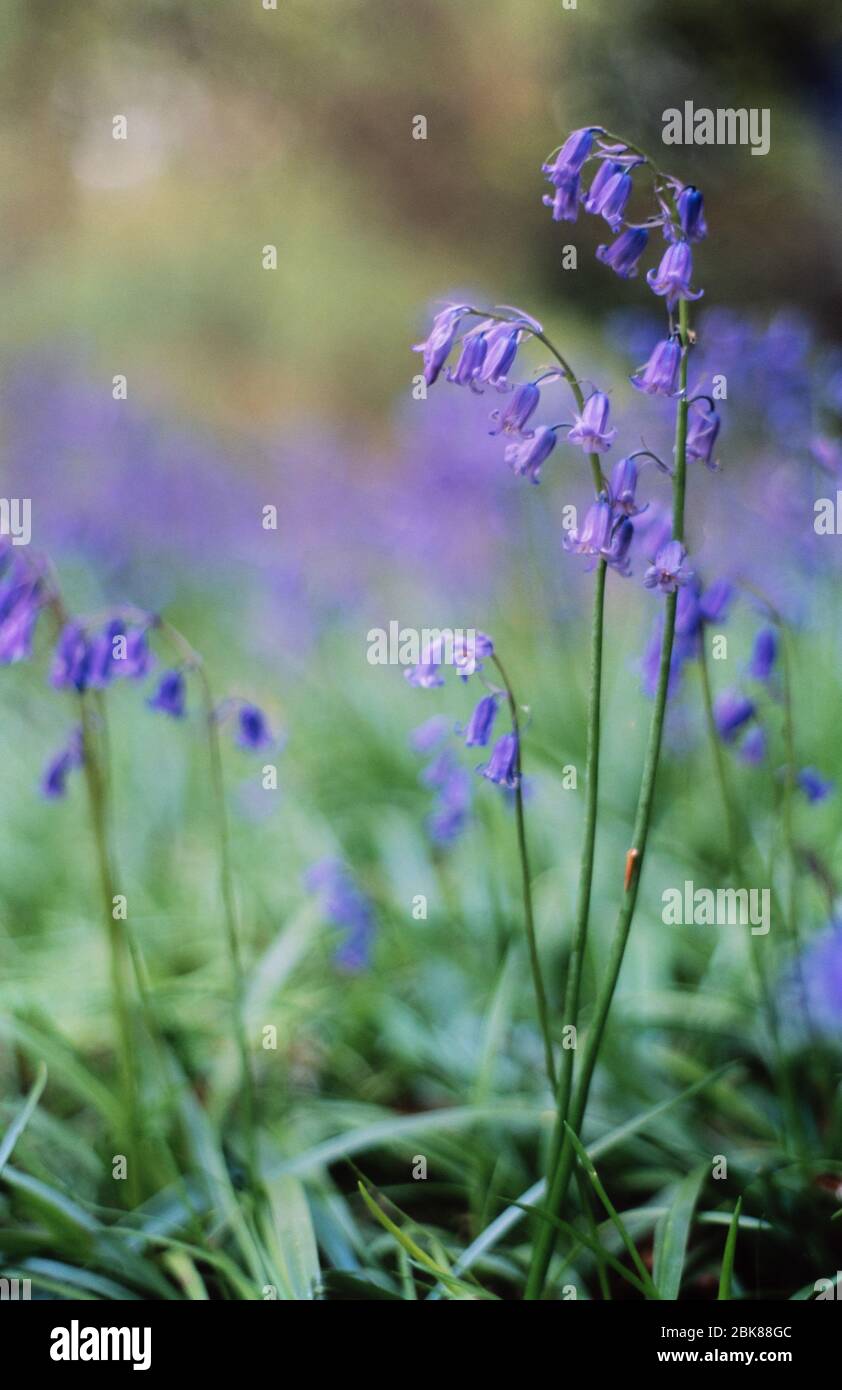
[195, 663]
[118, 954]
[526, 877]
[573, 987]
[562, 1166]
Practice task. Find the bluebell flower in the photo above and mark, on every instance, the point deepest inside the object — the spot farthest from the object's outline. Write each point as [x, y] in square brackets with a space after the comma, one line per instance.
[503, 341]
[253, 730]
[609, 192]
[572, 155]
[813, 983]
[427, 675]
[702, 434]
[436, 348]
[754, 745]
[502, 766]
[814, 786]
[731, 711]
[481, 722]
[669, 570]
[426, 736]
[591, 428]
[169, 697]
[565, 201]
[138, 660]
[691, 213]
[527, 458]
[71, 661]
[346, 907]
[453, 794]
[623, 255]
[659, 377]
[623, 487]
[673, 276]
[54, 780]
[764, 654]
[471, 359]
[470, 652]
[516, 416]
[593, 537]
[716, 600]
[617, 553]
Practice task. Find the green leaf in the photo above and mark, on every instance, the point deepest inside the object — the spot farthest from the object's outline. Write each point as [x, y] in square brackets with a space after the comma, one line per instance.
[730, 1251]
[19, 1123]
[288, 1232]
[613, 1214]
[672, 1231]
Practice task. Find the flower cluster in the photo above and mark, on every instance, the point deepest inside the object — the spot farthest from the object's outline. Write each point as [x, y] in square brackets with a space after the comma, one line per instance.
[21, 600]
[91, 656]
[608, 197]
[444, 773]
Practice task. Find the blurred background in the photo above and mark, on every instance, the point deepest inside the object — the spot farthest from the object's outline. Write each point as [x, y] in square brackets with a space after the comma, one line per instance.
[292, 388]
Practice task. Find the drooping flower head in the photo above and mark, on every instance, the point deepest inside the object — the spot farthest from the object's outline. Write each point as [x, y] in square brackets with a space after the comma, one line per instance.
[346, 907]
[565, 200]
[672, 278]
[659, 376]
[753, 747]
[436, 347]
[623, 255]
[764, 654]
[592, 538]
[253, 730]
[609, 192]
[514, 419]
[572, 155]
[71, 661]
[731, 711]
[481, 722]
[57, 771]
[591, 430]
[502, 766]
[691, 213]
[170, 695]
[527, 458]
[623, 487]
[813, 785]
[702, 433]
[669, 570]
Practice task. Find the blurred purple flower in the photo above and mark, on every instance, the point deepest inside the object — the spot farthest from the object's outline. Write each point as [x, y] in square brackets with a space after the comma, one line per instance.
[345, 906]
[54, 780]
[764, 654]
[253, 729]
[754, 745]
[814, 786]
[731, 711]
[691, 213]
[169, 697]
[481, 722]
[502, 765]
[425, 737]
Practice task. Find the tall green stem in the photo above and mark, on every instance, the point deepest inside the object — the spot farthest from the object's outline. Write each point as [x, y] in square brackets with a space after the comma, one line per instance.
[561, 1153]
[118, 948]
[526, 882]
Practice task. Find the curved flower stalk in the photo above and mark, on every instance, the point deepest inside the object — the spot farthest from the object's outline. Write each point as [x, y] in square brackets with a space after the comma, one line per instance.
[504, 766]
